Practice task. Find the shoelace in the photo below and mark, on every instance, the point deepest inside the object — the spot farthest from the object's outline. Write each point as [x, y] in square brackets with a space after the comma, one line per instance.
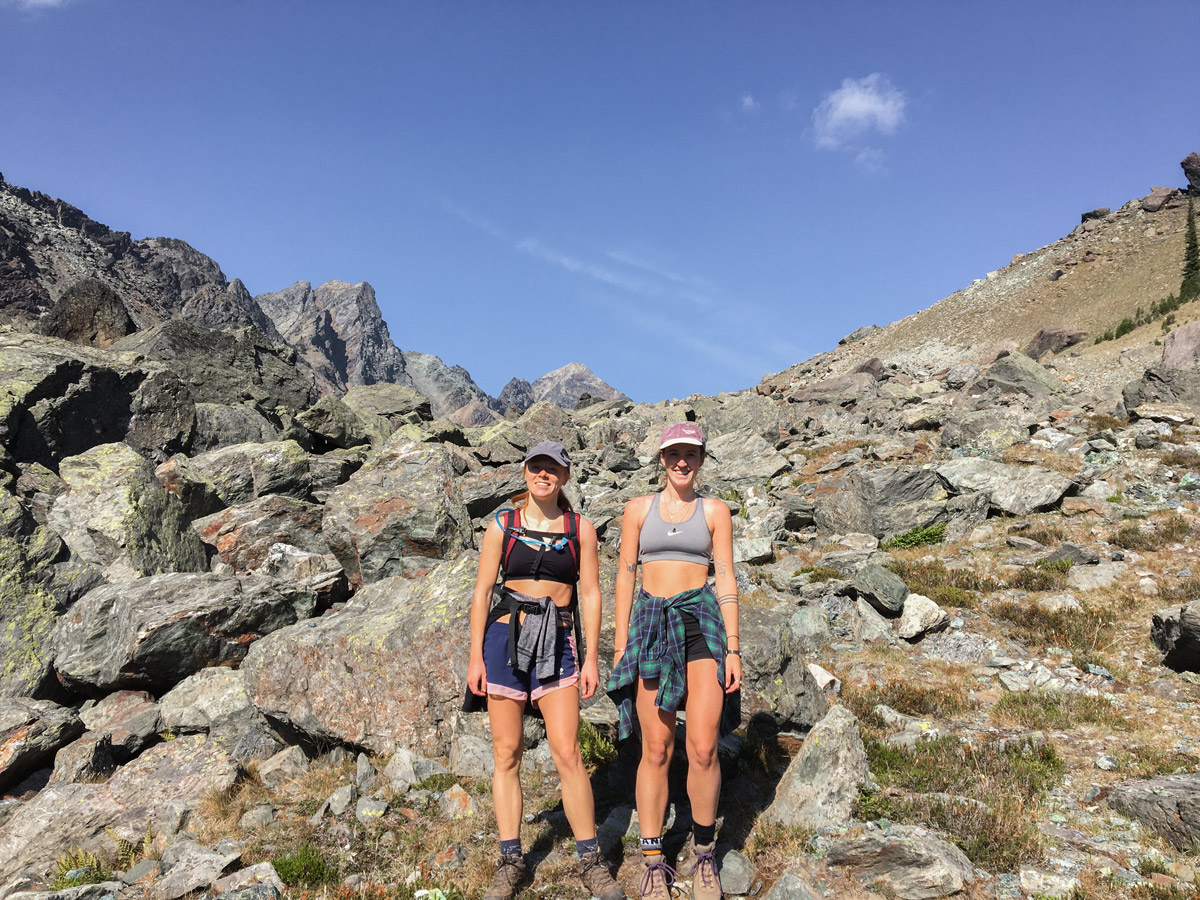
[709, 872]
[668, 876]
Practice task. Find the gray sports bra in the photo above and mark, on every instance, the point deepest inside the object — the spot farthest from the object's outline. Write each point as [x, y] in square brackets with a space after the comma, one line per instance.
[686, 541]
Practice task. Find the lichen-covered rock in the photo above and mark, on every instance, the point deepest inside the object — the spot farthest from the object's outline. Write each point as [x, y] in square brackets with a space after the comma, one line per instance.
[399, 514]
[244, 471]
[116, 516]
[162, 418]
[204, 700]
[820, 786]
[383, 672]
[223, 425]
[31, 732]
[130, 718]
[333, 424]
[150, 633]
[1170, 804]
[243, 535]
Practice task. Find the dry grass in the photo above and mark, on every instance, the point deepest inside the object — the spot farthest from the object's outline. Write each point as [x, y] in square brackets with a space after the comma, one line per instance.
[1044, 576]
[1057, 712]
[1027, 455]
[775, 847]
[1180, 458]
[946, 587]
[941, 700]
[1087, 631]
[1151, 536]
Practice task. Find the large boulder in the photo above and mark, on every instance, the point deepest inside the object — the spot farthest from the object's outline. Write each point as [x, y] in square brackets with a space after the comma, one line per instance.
[383, 672]
[882, 588]
[160, 787]
[225, 424]
[242, 472]
[225, 366]
[243, 535]
[1191, 171]
[89, 312]
[36, 584]
[333, 424]
[741, 459]
[1170, 804]
[776, 683]
[116, 516]
[911, 861]
[1017, 490]
[985, 429]
[388, 406]
[1016, 373]
[399, 514]
[1181, 348]
[59, 399]
[31, 732]
[162, 417]
[150, 633]
[820, 786]
[1053, 339]
[1176, 632]
[883, 502]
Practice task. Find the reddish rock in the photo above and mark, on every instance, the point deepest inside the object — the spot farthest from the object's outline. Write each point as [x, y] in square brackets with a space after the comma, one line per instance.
[1054, 339]
[244, 534]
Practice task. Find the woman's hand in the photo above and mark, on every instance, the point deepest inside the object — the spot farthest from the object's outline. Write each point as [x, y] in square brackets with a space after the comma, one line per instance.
[617, 654]
[477, 676]
[733, 673]
[589, 678]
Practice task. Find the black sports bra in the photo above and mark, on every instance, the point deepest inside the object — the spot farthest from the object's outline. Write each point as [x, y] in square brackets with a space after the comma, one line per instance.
[537, 555]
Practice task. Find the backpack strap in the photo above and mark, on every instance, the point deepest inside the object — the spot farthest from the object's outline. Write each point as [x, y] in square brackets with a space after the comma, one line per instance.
[572, 523]
[511, 525]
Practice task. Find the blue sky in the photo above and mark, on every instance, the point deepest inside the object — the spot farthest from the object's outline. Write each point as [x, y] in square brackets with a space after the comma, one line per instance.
[682, 196]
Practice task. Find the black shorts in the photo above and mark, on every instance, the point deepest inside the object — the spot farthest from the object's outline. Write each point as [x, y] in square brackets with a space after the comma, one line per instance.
[695, 647]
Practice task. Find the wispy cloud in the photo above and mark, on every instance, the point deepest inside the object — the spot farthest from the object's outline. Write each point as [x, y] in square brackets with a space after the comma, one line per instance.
[534, 247]
[34, 4]
[858, 108]
[748, 103]
[636, 262]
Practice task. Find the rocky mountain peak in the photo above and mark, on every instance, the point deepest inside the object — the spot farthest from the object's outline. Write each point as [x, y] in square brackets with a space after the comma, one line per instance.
[565, 385]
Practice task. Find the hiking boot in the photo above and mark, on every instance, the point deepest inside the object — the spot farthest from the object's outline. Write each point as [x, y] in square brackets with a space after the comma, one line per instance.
[596, 878]
[657, 880]
[706, 884]
[510, 873]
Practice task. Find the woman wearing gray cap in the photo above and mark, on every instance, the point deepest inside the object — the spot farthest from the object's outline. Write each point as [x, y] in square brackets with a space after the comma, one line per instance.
[677, 645]
[524, 637]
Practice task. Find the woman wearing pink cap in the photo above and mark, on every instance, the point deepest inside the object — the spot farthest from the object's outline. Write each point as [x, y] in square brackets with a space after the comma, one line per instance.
[677, 645]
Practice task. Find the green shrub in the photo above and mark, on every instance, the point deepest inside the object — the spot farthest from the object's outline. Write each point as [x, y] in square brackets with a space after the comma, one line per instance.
[304, 866]
[1124, 327]
[1056, 711]
[597, 750]
[439, 781]
[77, 866]
[918, 537]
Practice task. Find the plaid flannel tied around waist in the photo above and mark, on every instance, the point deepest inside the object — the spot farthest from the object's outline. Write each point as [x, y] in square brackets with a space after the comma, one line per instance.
[657, 648]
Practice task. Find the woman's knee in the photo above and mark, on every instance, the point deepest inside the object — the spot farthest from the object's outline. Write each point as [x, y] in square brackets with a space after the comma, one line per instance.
[507, 757]
[657, 752]
[702, 753]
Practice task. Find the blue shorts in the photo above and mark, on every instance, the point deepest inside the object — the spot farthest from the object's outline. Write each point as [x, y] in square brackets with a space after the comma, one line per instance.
[505, 681]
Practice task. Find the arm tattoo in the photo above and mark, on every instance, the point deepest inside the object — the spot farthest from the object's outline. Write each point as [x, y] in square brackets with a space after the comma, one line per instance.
[631, 568]
[727, 601]
[720, 569]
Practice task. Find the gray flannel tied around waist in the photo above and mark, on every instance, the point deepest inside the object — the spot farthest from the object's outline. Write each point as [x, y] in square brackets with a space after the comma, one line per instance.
[532, 644]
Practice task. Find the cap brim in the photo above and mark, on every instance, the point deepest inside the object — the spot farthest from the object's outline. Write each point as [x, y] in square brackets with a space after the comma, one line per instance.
[683, 440]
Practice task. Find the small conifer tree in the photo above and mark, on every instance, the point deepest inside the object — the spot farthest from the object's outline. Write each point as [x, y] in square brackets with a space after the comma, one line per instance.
[1190, 287]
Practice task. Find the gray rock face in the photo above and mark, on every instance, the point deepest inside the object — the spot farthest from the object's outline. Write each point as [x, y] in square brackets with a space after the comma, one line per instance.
[129, 719]
[58, 246]
[1176, 632]
[911, 861]
[332, 424]
[1169, 804]
[984, 429]
[792, 886]
[401, 642]
[1018, 490]
[1191, 171]
[395, 403]
[243, 472]
[116, 516]
[165, 780]
[204, 700]
[776, 682]
[820, 785]
[227, 367]
[452, 393]
[221, 424]
[921, 616]
[31, 732]
[517, 394]
[882, 588]
[564, 386]
[1181, 347]
[1053, 339]
[1018, 374]
[882, 502]
[399, 514]
[151, 633]
[340, 332]
[89, 312]
[741, 458]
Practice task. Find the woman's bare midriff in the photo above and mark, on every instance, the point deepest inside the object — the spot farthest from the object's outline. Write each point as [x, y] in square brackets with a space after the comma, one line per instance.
[668, 577]
[560, 594]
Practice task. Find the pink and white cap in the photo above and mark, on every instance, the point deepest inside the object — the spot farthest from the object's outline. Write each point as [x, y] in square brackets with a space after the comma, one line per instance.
[682, 433]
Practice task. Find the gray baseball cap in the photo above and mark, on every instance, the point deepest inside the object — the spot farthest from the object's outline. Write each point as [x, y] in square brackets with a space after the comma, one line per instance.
[552, 449]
